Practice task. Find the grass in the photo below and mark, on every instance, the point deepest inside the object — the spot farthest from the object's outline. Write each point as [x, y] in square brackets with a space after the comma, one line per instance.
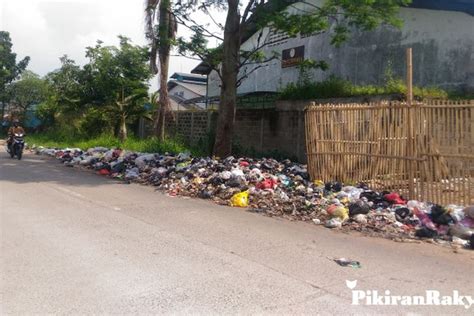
[149, 145]
[338, 88]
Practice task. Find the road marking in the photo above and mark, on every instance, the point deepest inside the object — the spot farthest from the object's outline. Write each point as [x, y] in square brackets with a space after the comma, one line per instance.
[70, 192]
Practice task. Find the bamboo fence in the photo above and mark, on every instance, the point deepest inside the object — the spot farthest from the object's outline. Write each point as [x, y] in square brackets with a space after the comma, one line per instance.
[424, 151]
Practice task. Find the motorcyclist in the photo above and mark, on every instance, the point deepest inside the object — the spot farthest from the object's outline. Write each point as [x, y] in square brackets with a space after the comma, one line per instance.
[15, 129]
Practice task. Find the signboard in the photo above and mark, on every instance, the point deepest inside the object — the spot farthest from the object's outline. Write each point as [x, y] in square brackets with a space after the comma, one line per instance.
[292, 56]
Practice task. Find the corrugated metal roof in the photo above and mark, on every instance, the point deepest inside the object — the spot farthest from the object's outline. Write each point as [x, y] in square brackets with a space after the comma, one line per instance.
[466, 6]
[181, 76]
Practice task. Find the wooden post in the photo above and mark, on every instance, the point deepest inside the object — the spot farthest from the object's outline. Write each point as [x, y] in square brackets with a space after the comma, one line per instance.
[409, 77]
[411, 136]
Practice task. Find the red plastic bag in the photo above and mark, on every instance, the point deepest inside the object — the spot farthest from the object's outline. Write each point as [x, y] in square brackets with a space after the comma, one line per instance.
[395, 198]
[104, 172]
[267, 184]
[244, 163]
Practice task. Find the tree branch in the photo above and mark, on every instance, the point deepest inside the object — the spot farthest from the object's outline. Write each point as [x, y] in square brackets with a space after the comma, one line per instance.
[247, 74]
[206, 10]
[254, 50]
[198, 26]
[186, 56]
[247, 10]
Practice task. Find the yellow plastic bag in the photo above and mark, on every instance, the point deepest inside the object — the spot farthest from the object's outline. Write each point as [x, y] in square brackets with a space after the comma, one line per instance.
[341, 212]
[319, 183]
[240, 199]
[338, 211]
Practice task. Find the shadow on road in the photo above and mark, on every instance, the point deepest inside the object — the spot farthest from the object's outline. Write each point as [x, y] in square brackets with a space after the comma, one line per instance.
[33, 168]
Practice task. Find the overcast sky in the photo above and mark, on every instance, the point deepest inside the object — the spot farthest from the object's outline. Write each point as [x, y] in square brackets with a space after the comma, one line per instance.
[48, 29]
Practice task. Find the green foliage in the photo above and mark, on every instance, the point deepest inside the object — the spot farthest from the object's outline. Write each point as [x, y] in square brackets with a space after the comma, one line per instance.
[10, 69]
[93, 123]
[105, 95]
[458, 95]
[27, 91]
[305, 75]
[338, 88]
[47, 112]
[66, 86]
[149, 145]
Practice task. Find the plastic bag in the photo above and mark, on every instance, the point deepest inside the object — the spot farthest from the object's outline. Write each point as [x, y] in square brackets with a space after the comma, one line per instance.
[319, 183]
[338, 211]
[103, 172]
[267, 184]
[240, 199]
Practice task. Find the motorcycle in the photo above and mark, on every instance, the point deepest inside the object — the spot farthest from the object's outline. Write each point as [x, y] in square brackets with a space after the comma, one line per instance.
[17, 145]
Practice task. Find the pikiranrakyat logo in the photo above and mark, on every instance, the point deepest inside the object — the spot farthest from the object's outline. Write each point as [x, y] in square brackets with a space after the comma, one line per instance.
[430, 298]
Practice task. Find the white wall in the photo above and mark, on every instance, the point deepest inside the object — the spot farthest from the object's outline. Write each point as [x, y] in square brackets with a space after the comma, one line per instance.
[443, 53]
[187, 94]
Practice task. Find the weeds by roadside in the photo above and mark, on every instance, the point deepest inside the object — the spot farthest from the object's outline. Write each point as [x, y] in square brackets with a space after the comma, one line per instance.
[339, 88]
[150, 145]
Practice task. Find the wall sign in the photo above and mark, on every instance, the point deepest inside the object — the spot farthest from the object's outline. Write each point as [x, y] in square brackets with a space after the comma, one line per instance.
[292, 56]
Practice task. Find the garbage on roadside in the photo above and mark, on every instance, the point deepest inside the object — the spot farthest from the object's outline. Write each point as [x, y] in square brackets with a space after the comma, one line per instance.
[344, 262]
[240, 199]
[279, 188]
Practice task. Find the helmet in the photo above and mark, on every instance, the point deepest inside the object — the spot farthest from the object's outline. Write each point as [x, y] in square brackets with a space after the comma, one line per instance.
[16, 122]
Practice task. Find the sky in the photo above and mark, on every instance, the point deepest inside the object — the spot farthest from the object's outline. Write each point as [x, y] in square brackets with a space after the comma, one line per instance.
[47, 29]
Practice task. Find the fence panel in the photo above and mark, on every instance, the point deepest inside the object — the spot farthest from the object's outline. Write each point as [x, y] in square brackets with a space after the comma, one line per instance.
[424, 152]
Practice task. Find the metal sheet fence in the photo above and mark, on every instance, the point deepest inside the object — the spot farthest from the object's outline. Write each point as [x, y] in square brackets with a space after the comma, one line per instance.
[425, 151]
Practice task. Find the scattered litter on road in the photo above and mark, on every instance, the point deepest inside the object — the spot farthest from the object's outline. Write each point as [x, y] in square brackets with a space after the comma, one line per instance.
[280, 188]
[344, 262]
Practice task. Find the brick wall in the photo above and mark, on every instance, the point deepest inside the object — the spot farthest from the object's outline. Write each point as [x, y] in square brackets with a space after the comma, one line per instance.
[192, 126]
[256, 130]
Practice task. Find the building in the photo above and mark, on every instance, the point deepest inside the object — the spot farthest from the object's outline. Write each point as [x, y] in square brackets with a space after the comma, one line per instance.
[187, 91]
[441, 33]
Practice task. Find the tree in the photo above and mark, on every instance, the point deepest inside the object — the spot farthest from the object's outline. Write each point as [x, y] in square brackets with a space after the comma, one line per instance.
[107, 93]
[339, 17]
[29, 90]
[66, 85]
[9, 68]
[161, 32]
[127, 109]
[63, 94]
[116, 78]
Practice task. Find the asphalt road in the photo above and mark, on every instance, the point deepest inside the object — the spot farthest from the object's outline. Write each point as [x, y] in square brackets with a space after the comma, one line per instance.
[73, 242]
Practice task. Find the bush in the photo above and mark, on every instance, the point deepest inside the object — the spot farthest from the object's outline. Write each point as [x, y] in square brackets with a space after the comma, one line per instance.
[335, 87]
[150, 145]
[93, 123]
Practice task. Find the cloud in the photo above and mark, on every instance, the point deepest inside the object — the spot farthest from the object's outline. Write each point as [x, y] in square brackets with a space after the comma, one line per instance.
[67, 20]
[48, 29]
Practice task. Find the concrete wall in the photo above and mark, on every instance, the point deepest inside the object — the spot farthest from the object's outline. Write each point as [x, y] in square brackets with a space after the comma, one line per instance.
[272, 130]
[256, 130]
[443, 53]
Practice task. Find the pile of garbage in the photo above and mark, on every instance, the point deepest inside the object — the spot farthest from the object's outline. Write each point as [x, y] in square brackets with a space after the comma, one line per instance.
[280, 188]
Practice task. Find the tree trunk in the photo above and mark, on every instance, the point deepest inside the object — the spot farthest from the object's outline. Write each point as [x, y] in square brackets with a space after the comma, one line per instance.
[164, 105]
[123, 128]
[228, 97]
[164, 56]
